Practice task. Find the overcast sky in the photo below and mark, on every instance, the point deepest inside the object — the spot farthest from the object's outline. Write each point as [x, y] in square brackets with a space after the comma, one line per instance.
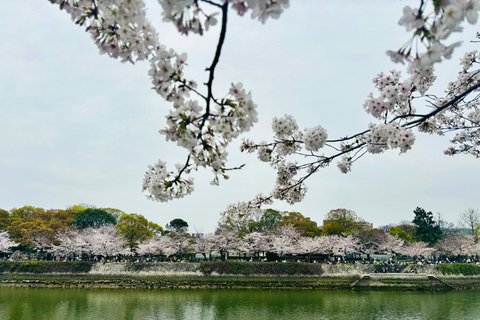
[79, 127]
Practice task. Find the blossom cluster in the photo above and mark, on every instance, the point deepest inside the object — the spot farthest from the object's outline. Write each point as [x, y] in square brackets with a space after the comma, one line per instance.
[421, 78]
[190, 16]
[261, 9]
[166, 72]
[463, 116]
[236, 114]
[284, 127]
[393, 99]
[286, 132]
[163, 185]
[287, 187]
[118, 27]
[289, 140]
[381, 137]
[315, 138]
[467, 77]
[433, 28]
[205, 134]
[187, 16]
[5, 242]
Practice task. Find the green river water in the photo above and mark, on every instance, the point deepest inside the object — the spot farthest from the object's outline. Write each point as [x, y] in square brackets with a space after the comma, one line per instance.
[32, 303]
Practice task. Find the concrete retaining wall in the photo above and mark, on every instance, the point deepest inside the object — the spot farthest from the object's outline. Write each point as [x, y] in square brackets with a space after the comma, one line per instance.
[193, 269]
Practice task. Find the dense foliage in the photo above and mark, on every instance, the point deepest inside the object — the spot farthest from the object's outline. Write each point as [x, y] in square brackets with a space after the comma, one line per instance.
[136, 229]
[95, 218]
[426, 229]
[466, 269]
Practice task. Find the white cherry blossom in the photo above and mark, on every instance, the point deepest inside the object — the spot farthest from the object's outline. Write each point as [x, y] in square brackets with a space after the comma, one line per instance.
[5, 242]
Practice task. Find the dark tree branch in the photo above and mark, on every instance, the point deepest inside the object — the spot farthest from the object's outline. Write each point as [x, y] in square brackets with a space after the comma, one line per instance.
[211, 69]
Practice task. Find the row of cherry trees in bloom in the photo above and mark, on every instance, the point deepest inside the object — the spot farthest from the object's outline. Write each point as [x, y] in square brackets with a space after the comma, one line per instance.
[34, 229]
[284, 241]
[87, 232]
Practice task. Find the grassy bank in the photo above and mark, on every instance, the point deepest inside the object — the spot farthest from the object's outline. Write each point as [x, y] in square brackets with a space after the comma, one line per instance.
[176, 283]
[380, 282]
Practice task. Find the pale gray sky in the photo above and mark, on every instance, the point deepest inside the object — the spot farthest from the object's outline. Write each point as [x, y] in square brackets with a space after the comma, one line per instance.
[78, 127]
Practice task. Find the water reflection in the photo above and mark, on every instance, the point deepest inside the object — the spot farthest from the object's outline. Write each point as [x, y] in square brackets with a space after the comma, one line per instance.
[22, 303]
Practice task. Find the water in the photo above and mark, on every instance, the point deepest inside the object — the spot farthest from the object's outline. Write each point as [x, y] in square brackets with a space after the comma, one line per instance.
[32, 303]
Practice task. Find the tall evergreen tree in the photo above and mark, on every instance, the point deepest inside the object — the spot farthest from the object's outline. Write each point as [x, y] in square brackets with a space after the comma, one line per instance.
[426, 229]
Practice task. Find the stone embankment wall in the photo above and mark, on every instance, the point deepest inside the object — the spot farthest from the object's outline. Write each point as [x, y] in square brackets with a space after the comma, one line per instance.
[246, 269]
[197, 269]
[211, 269]
[146, 269]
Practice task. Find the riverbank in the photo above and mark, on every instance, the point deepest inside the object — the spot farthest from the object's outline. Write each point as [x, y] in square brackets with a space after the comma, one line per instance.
[228, 275]
[363, 282]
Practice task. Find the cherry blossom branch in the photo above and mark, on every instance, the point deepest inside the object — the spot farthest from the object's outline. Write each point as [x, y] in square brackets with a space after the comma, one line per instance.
[212, 3]
[206, 128]
[390, 134]
[423, 118]
[212, 67]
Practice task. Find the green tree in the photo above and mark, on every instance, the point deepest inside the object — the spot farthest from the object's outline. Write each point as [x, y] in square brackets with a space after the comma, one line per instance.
[94, 218]
[268, 221]
[336, 227]
[135, 228]
[401, 233]
[78, 208]
[344, 221]
[27, 212]
[344, 214]
[408, 228]
[177, 225]
[426, 229]
[114, 212]
[305, 226]
[33, 227]
[4, 219]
